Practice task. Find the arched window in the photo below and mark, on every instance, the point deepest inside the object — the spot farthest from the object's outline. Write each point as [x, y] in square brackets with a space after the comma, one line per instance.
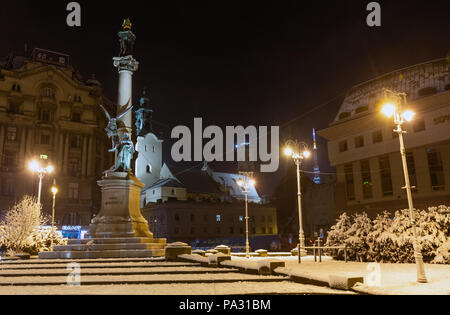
[48, 91]
[149, 168]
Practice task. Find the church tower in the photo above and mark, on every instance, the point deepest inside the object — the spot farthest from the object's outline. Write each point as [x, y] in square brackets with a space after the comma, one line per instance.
[149, 147]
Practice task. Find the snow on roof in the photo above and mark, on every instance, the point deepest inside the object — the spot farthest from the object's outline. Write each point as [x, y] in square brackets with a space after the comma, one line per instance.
[416, 81]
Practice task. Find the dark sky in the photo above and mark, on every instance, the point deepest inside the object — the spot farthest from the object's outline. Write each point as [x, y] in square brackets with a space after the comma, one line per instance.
[238, 62]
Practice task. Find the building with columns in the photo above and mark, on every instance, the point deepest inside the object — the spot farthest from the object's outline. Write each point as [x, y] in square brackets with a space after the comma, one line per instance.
[365, 150]
[47, 108]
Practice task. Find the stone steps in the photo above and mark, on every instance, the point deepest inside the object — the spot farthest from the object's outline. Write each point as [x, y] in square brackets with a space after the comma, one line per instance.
[116, 240]
[161, 270]
[171, 278]
[103, 247]
[92, 254]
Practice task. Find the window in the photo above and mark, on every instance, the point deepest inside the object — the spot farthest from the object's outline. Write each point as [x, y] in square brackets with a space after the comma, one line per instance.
[349, 182]
[10, 159]
[241, 230]
[231, 230]
[177, 217]
[172, 191]
[74, 167]
[343, 146]
[7, 188]
[218, 230]
[45, 139]
[436, 169]
[148, 168]
[205, 229]
[359, 141]
[76, 117]
[218, 217]
[11, 133]
[16, 87]
[153, 148]
[411, 171]
[418, 124]
[377, 136]
[73, 191]
[241, 218]
[14, 108]
[75, 142]
[48, 92]
[366, 179]
[45, 115]
[385, 174]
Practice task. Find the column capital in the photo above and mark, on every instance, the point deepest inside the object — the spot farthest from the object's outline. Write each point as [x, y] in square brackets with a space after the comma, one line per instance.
[127, 63]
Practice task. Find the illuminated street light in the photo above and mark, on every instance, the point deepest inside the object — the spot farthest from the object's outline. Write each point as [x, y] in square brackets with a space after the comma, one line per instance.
[36, 167]
[400, 117]
[246, 182]
[298, 151]
[54, 190]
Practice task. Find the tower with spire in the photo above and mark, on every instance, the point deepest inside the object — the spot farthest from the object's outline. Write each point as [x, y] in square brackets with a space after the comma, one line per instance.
[316, 162]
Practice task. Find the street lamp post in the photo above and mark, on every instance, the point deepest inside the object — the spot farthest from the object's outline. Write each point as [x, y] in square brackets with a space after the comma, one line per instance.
[245, 183]
[36, 167]
[298, 151]
[400, 116]
[54, 191]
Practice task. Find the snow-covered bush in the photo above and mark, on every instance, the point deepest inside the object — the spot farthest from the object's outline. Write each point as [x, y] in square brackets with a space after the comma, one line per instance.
[20, 229]
[390, 239]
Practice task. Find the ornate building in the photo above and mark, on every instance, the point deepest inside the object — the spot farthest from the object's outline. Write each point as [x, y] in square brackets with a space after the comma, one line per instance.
[47, 109]
[365, 151]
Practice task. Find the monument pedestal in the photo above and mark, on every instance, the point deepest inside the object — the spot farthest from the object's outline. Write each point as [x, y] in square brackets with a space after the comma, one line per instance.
[119, 230]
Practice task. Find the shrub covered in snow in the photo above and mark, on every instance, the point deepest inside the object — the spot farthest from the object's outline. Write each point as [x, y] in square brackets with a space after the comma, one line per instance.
[390, 239]
[20, 229]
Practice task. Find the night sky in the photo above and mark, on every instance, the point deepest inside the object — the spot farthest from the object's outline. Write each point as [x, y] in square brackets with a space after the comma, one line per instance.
[284, 63]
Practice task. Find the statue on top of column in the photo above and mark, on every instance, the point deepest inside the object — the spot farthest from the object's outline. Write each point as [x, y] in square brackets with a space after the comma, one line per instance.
[126, 39]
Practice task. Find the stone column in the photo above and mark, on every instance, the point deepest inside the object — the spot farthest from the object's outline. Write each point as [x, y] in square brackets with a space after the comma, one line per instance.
[66, 153]
[60, 151]
[126, 66]
[84, 156]
[23, 139]
[2, 141]
[90, 156]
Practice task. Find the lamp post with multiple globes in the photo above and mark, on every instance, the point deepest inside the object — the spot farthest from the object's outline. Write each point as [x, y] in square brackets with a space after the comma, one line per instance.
[394, 107]
[36, 167]
[298, 151]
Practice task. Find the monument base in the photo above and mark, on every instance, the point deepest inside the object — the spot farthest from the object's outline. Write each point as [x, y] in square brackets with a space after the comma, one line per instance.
[119, 230]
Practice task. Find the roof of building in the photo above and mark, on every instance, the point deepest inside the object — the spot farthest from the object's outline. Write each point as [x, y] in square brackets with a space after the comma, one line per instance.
[198, 181]
[416, 81]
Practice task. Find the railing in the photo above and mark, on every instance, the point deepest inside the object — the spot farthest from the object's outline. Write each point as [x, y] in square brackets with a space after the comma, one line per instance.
[320, 248]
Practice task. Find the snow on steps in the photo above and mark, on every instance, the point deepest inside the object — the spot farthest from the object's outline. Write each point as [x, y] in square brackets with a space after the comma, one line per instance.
[261, 267]
[333, 281]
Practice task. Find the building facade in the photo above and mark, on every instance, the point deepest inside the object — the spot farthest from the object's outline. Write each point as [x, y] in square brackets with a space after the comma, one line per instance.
[365, 150]
[48, 110]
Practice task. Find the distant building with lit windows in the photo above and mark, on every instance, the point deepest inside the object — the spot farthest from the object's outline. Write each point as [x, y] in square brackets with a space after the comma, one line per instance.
[365, 150]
